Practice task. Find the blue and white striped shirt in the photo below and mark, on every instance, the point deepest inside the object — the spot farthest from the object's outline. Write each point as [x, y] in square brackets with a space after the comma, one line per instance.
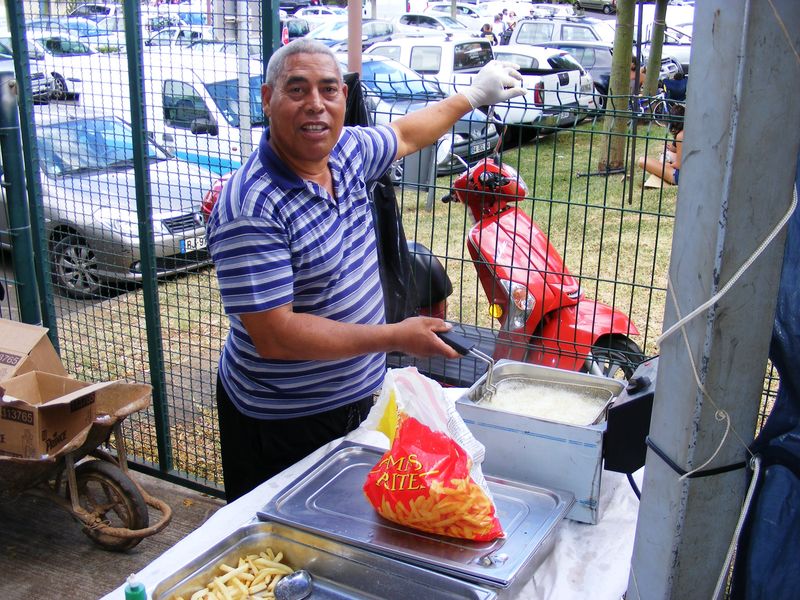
[277, 239]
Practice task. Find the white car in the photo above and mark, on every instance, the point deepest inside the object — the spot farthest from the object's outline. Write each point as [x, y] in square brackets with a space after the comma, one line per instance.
[465, 14]
[453, 64]
[574, 98]
[176, 37]
[41, 82]
[67, 59]
[419, 24]
[317, 15]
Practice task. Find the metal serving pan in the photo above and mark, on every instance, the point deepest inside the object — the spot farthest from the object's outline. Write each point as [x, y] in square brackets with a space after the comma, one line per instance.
[599, 391]
[338, 571]
[328, 500]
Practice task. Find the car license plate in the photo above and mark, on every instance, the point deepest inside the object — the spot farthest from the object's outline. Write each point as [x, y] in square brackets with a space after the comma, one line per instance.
[192, 244]
[479, 147]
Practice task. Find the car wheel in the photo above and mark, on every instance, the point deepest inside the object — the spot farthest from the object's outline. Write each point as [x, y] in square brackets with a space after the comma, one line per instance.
[60, 88]
[75, 269]
[606, 10]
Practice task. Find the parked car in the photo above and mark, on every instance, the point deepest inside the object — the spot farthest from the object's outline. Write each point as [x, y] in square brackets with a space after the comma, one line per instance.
[66, 59]
[573, 99]
[96, 10]
[291, 6]
[552, 10]
[465, 14]
[677, 44]
[453, 64]
[607, 6]
[534, 30]
[41, 82]
[595, 57]
[293, 28]
[89, 202]
[193, 104]
[422, 24]
[393, 90]
[317, 15]
[334, 33]
[85, 29]
[176, 37]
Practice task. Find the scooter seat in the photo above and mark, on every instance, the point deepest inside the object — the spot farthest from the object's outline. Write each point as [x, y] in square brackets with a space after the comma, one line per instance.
[430, 279]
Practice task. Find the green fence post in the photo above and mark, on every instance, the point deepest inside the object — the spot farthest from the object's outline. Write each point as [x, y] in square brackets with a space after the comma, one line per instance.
[30, 279]
[155, 350]
[16, 200]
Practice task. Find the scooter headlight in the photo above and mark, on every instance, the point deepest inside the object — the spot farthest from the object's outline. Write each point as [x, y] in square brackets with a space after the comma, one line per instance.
[520, 305]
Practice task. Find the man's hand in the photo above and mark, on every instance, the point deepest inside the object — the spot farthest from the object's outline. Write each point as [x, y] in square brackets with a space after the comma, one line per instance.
[417, 337]
[496, 82]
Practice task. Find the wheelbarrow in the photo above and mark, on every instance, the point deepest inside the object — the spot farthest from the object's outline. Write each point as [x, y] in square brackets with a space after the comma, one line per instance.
[90, 482]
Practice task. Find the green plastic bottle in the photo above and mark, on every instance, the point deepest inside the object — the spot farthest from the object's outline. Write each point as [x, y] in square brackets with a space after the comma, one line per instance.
[134, 590]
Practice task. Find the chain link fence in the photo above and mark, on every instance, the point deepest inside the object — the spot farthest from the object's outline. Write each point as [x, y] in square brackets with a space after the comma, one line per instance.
[152, 106]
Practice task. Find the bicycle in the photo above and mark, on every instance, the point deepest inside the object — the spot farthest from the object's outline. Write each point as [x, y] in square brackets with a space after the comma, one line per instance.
[656, 108]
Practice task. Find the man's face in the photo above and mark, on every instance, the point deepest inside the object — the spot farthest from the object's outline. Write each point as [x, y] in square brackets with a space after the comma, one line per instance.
[306, 108]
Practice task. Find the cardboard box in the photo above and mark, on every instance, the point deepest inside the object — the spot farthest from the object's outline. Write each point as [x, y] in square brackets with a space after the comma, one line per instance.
[25, 348]
[41, 412]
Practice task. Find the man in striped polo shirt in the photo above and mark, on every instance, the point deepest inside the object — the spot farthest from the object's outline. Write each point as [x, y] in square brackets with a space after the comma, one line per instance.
[294, 246]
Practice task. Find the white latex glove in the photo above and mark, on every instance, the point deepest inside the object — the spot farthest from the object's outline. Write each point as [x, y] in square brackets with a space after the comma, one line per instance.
[496, 82]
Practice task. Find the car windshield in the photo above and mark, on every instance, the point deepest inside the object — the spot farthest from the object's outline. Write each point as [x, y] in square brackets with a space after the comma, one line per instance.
[391, 81]
[226, 97]
[336, 31]
[450, 22]
[564, 62]
[94, 144]
[35, 51]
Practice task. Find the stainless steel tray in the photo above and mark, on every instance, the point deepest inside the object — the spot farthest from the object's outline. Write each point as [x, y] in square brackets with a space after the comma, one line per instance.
[328, 500]
[338, 571]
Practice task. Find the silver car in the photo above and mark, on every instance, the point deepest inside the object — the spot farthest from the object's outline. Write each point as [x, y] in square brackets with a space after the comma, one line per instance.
[89, 203]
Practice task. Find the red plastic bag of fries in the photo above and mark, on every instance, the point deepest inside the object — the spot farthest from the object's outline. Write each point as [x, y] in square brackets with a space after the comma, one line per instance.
[430, 478]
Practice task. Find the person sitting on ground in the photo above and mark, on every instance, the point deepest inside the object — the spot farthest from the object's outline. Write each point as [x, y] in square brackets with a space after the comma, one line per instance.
[668, 166]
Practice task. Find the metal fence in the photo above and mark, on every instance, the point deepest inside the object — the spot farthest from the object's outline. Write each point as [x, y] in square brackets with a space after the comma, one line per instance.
[120, 262]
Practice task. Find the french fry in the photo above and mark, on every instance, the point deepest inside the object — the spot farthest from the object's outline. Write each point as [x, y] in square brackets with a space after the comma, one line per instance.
[254, 576]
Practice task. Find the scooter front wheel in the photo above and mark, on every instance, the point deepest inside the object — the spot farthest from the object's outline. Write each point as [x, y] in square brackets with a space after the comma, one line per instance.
[615, 356]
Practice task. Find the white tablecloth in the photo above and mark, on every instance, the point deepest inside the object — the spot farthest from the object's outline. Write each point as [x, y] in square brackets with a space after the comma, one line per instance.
[587, 561]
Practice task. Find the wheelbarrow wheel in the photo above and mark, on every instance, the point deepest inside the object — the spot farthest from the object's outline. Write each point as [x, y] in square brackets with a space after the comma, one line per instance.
[109, 494]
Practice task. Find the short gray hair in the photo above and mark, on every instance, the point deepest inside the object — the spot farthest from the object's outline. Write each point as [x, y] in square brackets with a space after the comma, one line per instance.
[277, 62]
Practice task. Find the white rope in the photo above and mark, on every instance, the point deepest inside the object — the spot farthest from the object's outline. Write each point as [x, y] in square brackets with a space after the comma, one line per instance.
[755, 464]
[716, 297]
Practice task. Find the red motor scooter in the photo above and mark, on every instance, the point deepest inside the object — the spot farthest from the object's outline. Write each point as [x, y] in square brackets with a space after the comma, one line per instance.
[544, 317]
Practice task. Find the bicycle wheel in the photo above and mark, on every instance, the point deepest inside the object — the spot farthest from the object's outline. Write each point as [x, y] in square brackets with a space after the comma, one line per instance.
[661, 114]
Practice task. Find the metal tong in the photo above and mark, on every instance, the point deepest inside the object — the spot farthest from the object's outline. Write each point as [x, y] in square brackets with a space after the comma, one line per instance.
[465, 346]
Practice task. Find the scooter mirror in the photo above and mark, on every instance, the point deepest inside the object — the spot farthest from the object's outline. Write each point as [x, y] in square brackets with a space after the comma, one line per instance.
[444, 148]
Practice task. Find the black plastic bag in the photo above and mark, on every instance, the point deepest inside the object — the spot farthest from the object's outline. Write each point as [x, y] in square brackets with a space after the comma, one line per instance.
[393, 254]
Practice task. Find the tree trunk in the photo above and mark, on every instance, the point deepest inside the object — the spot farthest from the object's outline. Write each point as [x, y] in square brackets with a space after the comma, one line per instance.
[619, 88]
[656, 47]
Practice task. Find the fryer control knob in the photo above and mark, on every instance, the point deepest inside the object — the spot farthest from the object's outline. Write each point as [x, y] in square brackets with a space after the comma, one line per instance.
[636, 384]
